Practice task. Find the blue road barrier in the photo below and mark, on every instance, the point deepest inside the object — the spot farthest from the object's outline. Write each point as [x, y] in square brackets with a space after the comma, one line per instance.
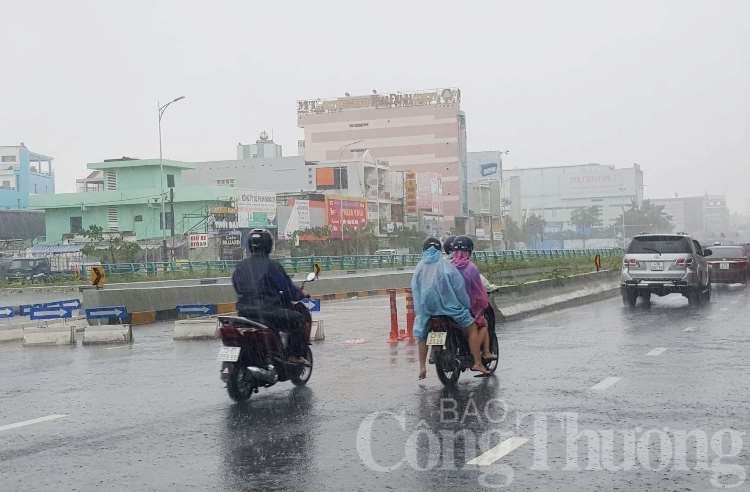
[119, 312]
[42, 313]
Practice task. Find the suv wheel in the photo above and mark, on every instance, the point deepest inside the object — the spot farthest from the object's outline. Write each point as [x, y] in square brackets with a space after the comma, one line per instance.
[694, 296]
[707, 293]
[629, 298]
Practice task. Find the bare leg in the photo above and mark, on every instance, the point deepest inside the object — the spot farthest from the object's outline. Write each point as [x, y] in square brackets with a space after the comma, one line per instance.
[475, 342]
[422, 359]
[486, 347]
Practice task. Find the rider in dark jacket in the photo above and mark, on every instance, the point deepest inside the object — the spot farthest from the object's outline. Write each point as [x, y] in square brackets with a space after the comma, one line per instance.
[265, 293]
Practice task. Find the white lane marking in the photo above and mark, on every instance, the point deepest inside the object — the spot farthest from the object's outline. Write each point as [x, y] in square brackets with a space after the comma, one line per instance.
[657, 351]
[689, 328]
[118, 347]
[605, 383]
[724, 309]
[30, 422]
[492, 455]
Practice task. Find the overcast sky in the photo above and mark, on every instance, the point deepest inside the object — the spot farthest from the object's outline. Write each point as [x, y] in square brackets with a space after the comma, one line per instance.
[664, 84]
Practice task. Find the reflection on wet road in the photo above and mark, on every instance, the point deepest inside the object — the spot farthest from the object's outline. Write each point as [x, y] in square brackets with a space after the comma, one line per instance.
[594, 397]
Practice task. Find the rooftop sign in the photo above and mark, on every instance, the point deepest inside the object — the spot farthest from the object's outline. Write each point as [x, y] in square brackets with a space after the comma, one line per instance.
[389, 100]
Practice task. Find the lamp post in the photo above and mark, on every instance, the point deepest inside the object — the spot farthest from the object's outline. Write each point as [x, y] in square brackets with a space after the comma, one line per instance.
[377, 185]
[163, 220]
[341, 200]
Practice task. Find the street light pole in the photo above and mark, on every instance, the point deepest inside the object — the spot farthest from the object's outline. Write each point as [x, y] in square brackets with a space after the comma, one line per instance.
[163, 221]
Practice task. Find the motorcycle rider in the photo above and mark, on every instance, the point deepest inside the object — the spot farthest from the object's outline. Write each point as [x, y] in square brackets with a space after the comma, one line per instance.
[438, 289]
[265, 293]
[462, 248]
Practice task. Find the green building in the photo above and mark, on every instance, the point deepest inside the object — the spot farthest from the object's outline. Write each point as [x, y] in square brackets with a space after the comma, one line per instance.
[123, 196]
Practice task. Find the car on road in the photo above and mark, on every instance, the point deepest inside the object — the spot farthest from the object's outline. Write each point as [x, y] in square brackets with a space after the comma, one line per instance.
[663, 264]
[729, 265]
[28, 269]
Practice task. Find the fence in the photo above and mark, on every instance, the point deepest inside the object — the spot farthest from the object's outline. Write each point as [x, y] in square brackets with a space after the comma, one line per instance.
[343, 263]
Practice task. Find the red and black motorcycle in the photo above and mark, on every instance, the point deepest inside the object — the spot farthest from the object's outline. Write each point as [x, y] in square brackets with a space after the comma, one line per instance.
[254, 355]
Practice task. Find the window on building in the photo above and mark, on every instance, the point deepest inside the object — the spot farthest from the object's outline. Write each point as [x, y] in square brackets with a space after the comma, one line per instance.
[6, 184]
[170, 180]
[138, 218]
[76, 225]
[358, 125]
[8, 158]
[35, 188]
[169, 221]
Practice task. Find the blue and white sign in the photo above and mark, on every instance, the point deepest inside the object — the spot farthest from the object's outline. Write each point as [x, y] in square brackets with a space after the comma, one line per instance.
[312, 305]
[25, 309]
[6, 312]
[119, 312]
[72, 304]
[199, 309]
[50, 313]
[488, 169]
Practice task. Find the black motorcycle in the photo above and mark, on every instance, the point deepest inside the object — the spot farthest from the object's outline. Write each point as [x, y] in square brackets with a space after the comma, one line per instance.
[450, 348]
[254, 355]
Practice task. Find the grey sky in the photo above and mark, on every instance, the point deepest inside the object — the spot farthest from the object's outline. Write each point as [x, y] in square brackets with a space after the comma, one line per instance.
[665, 84]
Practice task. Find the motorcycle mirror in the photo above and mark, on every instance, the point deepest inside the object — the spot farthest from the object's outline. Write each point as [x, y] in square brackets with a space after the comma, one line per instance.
[311, 276]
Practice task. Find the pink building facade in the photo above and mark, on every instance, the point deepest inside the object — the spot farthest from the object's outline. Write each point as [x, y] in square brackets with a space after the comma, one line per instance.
[423, 132]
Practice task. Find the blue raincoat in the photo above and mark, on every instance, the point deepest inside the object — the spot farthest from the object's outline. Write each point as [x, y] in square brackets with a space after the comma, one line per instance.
[438, 289]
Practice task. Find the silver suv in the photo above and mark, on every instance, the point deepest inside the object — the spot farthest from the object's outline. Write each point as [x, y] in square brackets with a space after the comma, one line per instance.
[664, 264]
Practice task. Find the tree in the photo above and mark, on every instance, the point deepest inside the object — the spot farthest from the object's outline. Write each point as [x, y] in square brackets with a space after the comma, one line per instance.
[512, 233]
[586, 218]
[94, 232]
[648, 218]
[534, 227]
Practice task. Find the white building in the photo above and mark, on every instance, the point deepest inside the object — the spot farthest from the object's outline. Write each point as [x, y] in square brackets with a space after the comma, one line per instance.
[263, 147]
[277, 174]
[554, 192]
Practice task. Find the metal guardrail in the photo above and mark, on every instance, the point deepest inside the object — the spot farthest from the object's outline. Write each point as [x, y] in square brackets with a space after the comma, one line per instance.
[350, 262]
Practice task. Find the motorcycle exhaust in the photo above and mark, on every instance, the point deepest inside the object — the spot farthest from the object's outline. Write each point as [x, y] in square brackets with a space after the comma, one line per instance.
[266, 376]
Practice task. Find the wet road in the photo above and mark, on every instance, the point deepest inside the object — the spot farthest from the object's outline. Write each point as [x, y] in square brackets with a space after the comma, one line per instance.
[597, 397]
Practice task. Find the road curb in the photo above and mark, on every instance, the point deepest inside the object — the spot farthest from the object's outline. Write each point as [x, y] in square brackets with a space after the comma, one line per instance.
[606, 293]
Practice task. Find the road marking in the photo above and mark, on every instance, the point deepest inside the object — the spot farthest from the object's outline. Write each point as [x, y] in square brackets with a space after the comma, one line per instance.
[689, 328]
[118, 347]
[492, 455]
[724, 309]
[605, 383]
[30, 422]
[657, 351]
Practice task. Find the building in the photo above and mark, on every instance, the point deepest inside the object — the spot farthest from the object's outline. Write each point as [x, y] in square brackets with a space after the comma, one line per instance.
[23, 173]
[553, 193]
[277, 174]
[128, 204]
[263, 147]
[422, 131]
[706, 217]
[372, 183]
[487, 204]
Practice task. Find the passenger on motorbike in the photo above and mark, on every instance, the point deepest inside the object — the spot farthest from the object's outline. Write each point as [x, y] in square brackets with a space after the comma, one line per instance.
[439, 290]
[265, 293]
[463, 247]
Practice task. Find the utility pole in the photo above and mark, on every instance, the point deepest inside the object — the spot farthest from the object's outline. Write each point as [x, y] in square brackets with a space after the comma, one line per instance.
[171, 213]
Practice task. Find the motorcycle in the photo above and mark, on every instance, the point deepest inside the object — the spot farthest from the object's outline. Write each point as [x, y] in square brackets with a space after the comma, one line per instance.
[450, 348]
[254, 356]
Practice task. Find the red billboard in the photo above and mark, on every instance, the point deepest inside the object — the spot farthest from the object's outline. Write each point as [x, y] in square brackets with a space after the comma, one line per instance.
[353, 214]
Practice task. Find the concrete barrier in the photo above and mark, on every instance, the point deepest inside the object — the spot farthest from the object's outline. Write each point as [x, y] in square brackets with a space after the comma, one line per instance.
[317, 333]
[11, 333]
[51, 333]
[107, 334]
[531, 298]
[150, 304]
[195, 329]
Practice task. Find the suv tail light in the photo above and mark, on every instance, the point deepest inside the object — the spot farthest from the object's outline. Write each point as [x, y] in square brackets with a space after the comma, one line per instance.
[631, 263]
[684, 262]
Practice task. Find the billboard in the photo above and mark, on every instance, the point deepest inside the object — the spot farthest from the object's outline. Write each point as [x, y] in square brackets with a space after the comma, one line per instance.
[352, 213]
[255, 208]
[410, 191]
[299, 219]
[198, 241]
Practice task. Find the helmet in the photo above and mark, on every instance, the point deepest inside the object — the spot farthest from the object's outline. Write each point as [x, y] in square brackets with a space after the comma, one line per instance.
[432, 242]
[463, 243]
[448, 244]
[260, 241]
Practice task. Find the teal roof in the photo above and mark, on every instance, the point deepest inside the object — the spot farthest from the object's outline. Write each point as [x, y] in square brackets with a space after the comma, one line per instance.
[130, 197]
[138, 163]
